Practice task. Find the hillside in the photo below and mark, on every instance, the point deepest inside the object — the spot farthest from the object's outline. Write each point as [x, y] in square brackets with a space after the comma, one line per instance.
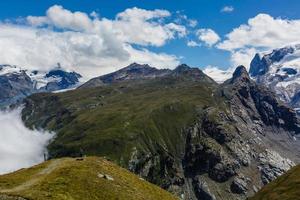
[70, 178]
[177, 129]
[286, 187]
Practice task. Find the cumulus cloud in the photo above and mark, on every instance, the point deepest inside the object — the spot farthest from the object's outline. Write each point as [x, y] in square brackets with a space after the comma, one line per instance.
[89, 44]
[263, 31]
[227, 9]
[19, 146]
[208, 36]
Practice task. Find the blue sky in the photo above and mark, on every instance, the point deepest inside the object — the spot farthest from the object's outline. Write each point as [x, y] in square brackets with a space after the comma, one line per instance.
[207, 13]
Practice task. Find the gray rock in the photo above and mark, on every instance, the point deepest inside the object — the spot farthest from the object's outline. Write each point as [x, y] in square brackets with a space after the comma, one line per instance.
[202, 190]
[239, 185]
[273, 165]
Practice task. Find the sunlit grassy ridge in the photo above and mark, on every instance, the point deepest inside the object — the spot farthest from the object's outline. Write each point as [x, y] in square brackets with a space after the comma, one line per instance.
[69, 178]
[286, 187]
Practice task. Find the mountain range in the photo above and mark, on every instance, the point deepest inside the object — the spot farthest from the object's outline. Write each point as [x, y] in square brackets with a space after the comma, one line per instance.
[17, 83]
[178, 129]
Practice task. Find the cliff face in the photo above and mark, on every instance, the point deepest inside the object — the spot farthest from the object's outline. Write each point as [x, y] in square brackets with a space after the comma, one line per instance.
[181, 130]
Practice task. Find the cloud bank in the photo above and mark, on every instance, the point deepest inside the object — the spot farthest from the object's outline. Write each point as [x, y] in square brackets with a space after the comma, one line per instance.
[87, 43]
[19, 146]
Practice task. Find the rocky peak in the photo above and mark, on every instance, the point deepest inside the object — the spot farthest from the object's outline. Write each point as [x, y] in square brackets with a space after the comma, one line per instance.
[260, 64]
[137, 66]
[182, 68]
[259, 102]
[240, 74]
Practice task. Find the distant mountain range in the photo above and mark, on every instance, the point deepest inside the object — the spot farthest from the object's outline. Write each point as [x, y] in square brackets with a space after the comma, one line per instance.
[17, 83]
[280, 71]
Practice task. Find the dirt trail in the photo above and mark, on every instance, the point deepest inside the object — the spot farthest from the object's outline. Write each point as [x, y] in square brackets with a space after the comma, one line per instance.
[35, 178]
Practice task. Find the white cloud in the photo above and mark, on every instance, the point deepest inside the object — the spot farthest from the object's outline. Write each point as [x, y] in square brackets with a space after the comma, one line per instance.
[218, 74]
[19, 146]
[227, 9]
[89, 44]
[192, 43]
[208, 36]
[242, 57]
[134, 25]
[263, 31]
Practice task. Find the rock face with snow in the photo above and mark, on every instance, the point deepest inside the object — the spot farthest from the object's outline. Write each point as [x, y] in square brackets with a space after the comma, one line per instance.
[16, 83]
[280, 71]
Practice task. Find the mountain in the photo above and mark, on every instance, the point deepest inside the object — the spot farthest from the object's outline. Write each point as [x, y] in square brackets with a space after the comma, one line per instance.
[285, 187]
[280, 71]
[16, 83]
[136, 72]
[77, 178]
[177, 129]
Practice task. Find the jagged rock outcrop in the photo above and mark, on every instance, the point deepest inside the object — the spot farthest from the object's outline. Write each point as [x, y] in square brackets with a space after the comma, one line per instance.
[239, 185]
[202, 190]
[272, 165]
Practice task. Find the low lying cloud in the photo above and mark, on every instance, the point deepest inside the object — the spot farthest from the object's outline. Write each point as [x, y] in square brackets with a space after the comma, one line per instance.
[19, 146]
[217, 74]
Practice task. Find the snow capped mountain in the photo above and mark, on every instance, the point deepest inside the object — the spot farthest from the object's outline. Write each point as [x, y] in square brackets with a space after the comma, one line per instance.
[16, 83]
[280, 70]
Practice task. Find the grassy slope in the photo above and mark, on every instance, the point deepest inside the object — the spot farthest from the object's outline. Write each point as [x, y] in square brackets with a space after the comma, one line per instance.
[286, 187]
[68, 178]
[112, 120]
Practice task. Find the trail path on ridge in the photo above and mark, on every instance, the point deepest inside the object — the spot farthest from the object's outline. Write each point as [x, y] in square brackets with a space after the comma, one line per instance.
[35, 178]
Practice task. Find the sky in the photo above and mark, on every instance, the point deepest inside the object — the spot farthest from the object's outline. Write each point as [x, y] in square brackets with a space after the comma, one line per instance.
[97, 37]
